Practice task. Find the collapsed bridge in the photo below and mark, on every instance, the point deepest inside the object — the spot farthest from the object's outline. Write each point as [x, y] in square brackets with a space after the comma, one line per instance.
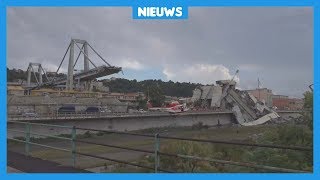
[81, 80]
[245, 107]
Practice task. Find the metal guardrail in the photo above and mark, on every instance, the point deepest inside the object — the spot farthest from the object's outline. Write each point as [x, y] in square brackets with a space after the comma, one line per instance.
[157, 153]
[28, 134]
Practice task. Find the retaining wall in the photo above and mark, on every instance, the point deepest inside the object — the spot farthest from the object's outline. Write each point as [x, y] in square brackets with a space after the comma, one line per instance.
[127, 123]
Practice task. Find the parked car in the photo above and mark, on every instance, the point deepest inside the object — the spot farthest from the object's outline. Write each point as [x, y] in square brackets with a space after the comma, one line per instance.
[67, 109]
[96, 110]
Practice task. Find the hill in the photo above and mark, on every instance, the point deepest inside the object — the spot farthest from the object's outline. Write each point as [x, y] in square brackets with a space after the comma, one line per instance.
[120, 85]
[168, 88]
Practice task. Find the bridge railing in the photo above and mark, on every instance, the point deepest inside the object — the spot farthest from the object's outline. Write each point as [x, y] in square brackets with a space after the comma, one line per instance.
[156, 152]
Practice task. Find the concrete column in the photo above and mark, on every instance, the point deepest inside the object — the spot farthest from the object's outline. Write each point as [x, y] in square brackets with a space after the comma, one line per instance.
[86, 61]
[29, 76]
[40, 74]
[86, 64]
[85, 85]
[70, 67]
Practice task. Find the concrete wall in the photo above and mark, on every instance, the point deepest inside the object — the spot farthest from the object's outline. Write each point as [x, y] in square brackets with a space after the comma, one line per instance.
[127, 123]
[48, 105]
[130, 123]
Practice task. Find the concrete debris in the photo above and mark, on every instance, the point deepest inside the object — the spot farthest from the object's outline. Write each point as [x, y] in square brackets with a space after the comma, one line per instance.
[285, 120]
[263, 119]
[248, 111]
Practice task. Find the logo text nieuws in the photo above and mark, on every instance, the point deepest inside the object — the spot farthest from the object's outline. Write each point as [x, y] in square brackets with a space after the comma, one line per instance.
[159, 13]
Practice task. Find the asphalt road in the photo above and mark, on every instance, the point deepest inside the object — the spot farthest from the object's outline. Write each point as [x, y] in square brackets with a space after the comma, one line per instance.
[35, 165]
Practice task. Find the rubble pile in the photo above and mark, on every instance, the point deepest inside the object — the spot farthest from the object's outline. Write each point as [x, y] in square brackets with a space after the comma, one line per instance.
[292, 120]
[246, 108]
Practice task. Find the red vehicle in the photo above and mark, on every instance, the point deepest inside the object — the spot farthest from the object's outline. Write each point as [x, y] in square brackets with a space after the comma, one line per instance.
[173, 107]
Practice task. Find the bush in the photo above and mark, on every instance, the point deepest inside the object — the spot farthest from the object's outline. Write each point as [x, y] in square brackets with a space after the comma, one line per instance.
[185, 148]
[283, 135]
[290, 135]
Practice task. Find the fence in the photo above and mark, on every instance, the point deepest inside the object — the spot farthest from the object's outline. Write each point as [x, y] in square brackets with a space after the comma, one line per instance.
[156, 152]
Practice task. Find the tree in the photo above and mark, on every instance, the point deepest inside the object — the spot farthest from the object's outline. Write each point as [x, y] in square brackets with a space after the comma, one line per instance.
[142, 102]
[155, 95]
[308, 107]
[308, 100]
[169, 88]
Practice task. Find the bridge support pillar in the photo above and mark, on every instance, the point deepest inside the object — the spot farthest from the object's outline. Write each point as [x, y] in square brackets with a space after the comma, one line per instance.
[86, 60]
[29, 77]
[70, 67]
[86, 65]
[40, 74]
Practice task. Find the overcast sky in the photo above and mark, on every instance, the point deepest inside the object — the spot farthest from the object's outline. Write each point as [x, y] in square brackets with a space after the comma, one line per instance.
[272, 44]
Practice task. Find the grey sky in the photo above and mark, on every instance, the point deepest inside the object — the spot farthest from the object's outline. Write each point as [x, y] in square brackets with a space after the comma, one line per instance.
[273, 44]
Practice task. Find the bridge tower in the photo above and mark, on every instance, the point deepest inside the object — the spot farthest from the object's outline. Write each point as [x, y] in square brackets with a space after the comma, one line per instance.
[71, 65]
[82, 78]
[31, 70]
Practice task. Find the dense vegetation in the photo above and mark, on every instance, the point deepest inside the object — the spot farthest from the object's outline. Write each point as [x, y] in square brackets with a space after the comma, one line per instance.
[284, 135]
[151, 87]
[155, 90]
[290, 134]
[169, 88]
[13, 75]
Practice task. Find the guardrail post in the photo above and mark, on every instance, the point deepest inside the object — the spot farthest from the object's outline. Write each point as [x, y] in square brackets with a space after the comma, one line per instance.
[73, 143]
[27, 146]
[156, 154]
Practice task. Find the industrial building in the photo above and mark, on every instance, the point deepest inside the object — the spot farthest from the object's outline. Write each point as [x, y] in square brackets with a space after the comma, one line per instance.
[282, 102]
[262, 94]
